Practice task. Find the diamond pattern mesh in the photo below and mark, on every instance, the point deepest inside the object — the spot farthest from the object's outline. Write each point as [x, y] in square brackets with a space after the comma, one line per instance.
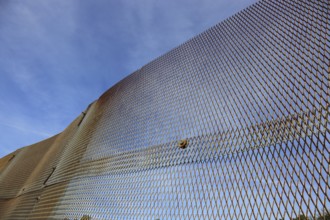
[251, 98]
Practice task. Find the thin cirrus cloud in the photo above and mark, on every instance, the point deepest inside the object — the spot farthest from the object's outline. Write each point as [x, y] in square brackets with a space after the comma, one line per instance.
[56, 57]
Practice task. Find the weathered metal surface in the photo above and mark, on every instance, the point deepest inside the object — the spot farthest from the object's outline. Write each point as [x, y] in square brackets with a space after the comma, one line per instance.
[255, 128]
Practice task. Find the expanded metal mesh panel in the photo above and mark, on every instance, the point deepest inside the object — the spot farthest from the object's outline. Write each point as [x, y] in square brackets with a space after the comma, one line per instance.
[20, 207]
[26, 171]
[21, 167]
[250, 100]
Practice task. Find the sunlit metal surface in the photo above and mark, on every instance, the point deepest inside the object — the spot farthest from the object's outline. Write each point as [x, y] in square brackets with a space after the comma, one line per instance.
[233, 124]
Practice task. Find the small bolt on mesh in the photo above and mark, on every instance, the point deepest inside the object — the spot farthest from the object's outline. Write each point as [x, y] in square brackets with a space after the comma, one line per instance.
[252, 140]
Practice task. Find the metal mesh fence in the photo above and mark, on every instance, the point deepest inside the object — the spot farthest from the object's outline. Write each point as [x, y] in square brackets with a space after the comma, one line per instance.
[249, 100]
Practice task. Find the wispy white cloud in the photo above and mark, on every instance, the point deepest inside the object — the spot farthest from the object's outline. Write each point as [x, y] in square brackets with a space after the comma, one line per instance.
[155, 27]
[26, 128]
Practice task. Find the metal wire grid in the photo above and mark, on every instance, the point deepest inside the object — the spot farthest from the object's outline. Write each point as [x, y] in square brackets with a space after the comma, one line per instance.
[19, 171]
[25, 174]
[250, 95]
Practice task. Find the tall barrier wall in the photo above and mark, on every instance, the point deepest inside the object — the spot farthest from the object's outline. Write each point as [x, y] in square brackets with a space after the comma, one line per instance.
[232, 124]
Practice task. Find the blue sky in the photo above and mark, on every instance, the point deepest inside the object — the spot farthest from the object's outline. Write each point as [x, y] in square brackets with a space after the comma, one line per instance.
[56, 57]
